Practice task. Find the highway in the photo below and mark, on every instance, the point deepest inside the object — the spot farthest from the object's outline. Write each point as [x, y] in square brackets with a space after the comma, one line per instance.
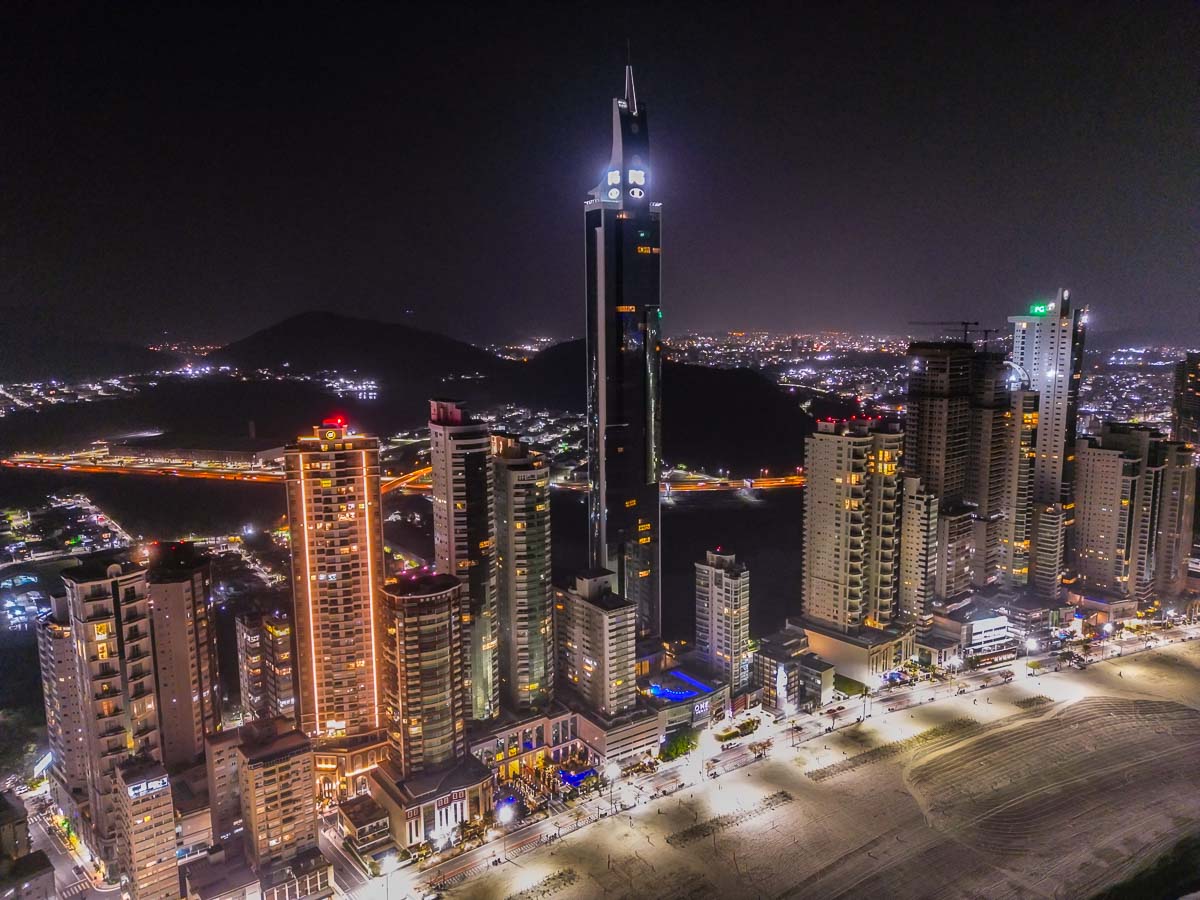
[415, 482]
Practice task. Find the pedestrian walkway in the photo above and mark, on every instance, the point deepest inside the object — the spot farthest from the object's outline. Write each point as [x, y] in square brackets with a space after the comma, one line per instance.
[75, 890]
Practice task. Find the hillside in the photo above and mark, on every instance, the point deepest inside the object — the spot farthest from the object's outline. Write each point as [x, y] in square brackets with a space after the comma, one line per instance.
[733, 419]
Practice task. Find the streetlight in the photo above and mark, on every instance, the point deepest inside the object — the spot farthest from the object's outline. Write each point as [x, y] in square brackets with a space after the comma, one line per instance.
[612, 772]
[505, 817]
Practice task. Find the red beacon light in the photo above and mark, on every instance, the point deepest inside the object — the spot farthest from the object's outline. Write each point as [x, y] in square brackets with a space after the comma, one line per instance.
[335, 422]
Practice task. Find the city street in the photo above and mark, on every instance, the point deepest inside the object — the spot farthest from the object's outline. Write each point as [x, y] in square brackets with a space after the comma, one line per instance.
[71, 870]
[969, 693]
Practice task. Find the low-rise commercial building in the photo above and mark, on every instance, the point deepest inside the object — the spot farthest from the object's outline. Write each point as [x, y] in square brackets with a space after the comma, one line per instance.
[789, 675]
[429, 806]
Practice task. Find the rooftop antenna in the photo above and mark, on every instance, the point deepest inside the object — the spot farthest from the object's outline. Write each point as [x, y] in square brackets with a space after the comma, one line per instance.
[630, 93]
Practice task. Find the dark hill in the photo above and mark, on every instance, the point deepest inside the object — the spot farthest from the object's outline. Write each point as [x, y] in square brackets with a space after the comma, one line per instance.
[728, 418]
[313, 341]
[734, 419]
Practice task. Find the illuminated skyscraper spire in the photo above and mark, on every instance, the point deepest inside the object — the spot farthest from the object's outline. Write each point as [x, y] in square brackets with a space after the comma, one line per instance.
[624, 365]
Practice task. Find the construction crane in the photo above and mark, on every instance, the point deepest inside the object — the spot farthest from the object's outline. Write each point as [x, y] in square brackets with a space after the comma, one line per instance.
[967, 327]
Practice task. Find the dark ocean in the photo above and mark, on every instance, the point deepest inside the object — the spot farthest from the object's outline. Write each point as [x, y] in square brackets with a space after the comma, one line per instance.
[764, 531]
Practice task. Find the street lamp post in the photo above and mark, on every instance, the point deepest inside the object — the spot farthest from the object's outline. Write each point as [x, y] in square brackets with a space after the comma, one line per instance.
[612, 772]
[505, 817]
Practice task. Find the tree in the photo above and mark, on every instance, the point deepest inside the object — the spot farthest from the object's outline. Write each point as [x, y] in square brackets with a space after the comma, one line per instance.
[683, 741]
[986, 681]
[973, 662]
[1034, 666]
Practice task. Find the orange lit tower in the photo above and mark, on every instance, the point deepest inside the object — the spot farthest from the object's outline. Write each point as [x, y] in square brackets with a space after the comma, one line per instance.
[337, 563]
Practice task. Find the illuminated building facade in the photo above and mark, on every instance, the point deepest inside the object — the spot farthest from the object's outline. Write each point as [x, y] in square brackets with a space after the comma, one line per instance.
[276, 781]
[337, 558]
[851, 524]
[146, 831]
[918, 551]
[265, 665]
[525, 596]
[423, 658]
[1021, 450]
[1048, 351]
[597, 630]
[723, 618]
[110, 620]
[64, 709]
[464, 540]
[624, 340]
[1136, 495]
[185, 651]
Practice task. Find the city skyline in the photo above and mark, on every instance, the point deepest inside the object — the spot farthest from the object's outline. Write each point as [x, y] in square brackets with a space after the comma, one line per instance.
[1047, 148]
[433, 647]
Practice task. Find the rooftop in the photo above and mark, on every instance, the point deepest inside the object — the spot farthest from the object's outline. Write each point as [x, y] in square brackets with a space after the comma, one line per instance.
[25, 868]
[266, 748]
[421, 585]
[219, 875]
[361, 811]
[428, 786]
[11, 809]
[96, 568]
[865, 636]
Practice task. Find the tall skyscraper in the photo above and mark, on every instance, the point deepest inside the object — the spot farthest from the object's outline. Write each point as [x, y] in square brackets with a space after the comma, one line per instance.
[1021, 454]
[1175, 539]
[723, 618]
[425, 662]
[937, 448]
[1048, 351]
[851, 525]
[1185, 411]
[185, 651]
[265, 665]
[987, 466]
[337, 560]
[525, 595]
[64, 709]
[918, 552]
[110, 622]
[851, 579]
[1136, 495]
[597, 641]
[464, 540]
[146, 831]
[937, 416]
[624, 339]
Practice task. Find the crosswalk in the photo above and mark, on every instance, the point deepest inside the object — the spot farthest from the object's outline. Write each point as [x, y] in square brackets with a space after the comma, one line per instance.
[75, 890]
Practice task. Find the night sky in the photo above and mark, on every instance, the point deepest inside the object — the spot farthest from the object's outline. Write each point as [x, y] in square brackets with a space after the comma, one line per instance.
[210, 171]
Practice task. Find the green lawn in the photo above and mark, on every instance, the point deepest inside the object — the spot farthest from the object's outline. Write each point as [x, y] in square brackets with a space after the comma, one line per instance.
[848, 686]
